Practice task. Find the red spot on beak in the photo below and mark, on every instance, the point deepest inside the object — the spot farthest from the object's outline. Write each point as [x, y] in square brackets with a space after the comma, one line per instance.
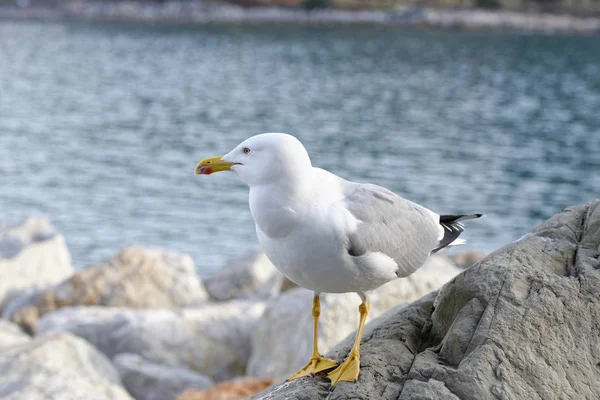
[205, 170]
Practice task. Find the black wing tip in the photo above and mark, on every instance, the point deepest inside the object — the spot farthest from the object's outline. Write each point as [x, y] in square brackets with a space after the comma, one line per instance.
[453, 228]
[453, 218]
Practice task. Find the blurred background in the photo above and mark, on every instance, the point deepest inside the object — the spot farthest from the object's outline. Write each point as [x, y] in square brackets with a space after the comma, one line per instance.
[102, 123]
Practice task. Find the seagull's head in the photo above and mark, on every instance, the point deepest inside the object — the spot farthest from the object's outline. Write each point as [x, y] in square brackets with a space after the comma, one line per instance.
[262, 159]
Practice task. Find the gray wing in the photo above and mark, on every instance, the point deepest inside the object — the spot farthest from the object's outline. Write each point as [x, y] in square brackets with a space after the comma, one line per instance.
[394, 226]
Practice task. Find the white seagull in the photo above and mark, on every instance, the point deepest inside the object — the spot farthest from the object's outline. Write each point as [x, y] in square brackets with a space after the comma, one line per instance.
[330, 235]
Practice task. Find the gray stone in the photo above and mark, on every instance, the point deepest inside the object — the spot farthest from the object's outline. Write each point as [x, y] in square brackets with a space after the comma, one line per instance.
[213, 339]
[136, 278]
[11, 335]
[251, 275]
[59, 366]
[282, 343]
[146, 380]
[521, 324]
[31, 255]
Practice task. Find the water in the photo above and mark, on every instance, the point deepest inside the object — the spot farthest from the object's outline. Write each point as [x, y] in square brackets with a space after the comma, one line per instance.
[101, 125]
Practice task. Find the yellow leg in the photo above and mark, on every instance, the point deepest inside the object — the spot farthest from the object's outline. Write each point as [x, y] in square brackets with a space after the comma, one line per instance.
[348, 371]
[316, 363]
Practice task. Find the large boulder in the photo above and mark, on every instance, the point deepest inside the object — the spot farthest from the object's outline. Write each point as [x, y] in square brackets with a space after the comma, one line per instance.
[135, 278]
[282, 342]
[213, 339]
[59, 366]
[251, 275]
[31, 255]
[521, 324]
[11, 335]
[146, 380]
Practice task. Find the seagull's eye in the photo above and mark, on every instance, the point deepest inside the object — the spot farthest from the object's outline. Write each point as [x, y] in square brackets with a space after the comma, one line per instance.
[246, 150]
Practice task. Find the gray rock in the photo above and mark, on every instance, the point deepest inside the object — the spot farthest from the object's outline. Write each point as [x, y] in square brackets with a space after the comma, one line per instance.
[146, 380]
[213, 339]
[521, 324]
[247, 276]
[11, 335]
[282, 342]
[136, 278]
[31, 255]
[59, 366]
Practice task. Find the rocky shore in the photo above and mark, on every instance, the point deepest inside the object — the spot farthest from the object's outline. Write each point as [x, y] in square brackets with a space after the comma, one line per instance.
[519, 323]
[144, 325]
[206, 11]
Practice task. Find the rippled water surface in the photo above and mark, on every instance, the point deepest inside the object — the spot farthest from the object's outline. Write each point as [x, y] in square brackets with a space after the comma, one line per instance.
[101, 125]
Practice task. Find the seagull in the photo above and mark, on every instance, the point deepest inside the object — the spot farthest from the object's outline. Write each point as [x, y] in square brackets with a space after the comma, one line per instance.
[331, 235]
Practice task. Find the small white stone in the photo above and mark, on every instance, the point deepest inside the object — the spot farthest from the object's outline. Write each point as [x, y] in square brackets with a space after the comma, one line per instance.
[31, 255]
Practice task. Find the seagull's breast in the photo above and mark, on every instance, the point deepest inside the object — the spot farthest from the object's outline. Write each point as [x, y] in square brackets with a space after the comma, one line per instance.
[313, 251]
[309, 255]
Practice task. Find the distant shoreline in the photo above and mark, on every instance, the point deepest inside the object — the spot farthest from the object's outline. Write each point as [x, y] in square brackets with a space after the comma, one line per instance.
[206, 12]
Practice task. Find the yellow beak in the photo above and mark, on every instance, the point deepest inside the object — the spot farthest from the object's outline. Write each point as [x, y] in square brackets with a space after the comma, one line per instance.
[213, 164]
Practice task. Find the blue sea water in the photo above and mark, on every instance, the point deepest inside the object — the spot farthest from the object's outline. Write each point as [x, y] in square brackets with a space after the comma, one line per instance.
[101, 125]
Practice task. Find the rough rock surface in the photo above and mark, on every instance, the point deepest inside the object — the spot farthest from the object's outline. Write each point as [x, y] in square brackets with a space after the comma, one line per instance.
[11, 335]
[213, 339]
[58, 367]
[236, 389]
[136, 278]
[146, 380]
[31, 255]
[282, 343]
[247, 276]
[521, 324]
